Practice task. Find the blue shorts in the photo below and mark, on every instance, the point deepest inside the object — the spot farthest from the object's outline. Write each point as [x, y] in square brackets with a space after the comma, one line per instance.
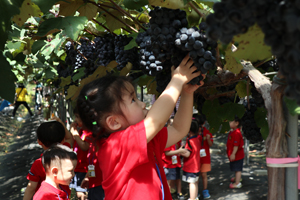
[76, 182]
[190, 177]
[96, 193]
[237, 166]
[172, 173]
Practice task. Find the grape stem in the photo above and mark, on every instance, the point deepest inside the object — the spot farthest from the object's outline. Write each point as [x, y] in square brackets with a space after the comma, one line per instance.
[126, 13]
[100, 7]
[90, 32]
[104, 27]
[196, 9]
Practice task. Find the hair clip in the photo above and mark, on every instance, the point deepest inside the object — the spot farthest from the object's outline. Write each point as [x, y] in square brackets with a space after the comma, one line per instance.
[85, 97]
[94, 123]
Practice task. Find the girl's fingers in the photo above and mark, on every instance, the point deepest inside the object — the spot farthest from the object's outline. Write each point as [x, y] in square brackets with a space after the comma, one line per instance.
[185, 60]
[189, 63]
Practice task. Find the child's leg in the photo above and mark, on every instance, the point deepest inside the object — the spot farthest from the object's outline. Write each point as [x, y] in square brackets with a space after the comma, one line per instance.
[193, 187]
[178, 183]
[204, 180]
[238, 175]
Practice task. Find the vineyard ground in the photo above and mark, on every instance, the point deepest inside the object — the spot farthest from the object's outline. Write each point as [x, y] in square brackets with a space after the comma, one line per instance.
[21, 149]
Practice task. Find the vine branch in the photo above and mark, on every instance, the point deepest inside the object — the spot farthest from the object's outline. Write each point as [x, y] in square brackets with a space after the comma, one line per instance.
[196, 9]
[104, 27]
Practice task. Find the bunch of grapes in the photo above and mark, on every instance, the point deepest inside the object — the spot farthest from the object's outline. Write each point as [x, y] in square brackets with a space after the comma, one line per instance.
[164, 24]
[271, 65]
[200, 48]
[148, 62]
[125, 56]
[164, 77]
[250, 129]
[230, 18]
[104, 50]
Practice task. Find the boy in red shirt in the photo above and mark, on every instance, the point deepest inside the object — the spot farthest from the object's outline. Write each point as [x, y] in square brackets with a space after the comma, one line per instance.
[206, 139]
[191, 162]
[82, 141]
[48, 133]
[235, 151]
[59, 162]
[172, 165]
[93, 179]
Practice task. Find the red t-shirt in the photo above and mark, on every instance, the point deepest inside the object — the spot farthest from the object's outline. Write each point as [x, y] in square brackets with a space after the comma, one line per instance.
[48, 192]
[205, 159]
[235, 138]
[192, 163]
[128, 164]
[167, 160]
[92, 159]
[81, 155]
[37, 172]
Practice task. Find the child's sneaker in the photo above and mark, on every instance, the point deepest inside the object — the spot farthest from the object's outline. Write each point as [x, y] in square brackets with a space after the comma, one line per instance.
[206, 194]
[180, 196]
[173, 191]
[232, 186]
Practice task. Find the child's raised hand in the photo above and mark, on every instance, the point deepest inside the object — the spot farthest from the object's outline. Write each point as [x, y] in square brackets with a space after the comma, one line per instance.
[85, 183]
[189, 88]
[73, 129]
[185, 71]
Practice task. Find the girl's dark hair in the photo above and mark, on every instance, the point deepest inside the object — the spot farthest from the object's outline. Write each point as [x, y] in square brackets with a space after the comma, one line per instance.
[239, 120]
[99, 98]
[194, 127]
[50, 132]
[199, 118]
[55, 154]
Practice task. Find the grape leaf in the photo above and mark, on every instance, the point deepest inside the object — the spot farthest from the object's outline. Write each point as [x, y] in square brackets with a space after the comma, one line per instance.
[208, 2]
[292, 106]
[231, 63]
[45, 6]
[251, 45]
[260, 117]
[15, 47]
[241, 88]
[126, 69]
[7, 85]
[114, 24]
[168, 3]
[80, 73]
[72, 90]
[69, 7]
[131, 44]
[151, 87]
[27, 10]
[65, 81]
[50, 72]
[70, 26]
[135, 4]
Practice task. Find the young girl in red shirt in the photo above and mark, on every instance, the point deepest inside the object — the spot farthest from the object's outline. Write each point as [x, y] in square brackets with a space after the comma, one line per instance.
[132, 139]
[191, 161]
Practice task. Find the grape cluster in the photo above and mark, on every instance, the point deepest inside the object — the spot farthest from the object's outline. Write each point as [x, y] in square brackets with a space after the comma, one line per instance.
[271, 65]
[164, 24]
[230, 18]
[104, 47]
[124, 56]
[200, 48]
[250, 129]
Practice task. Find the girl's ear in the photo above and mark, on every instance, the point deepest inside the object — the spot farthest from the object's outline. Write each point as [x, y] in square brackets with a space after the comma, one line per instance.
[54, 171]
[113, 122]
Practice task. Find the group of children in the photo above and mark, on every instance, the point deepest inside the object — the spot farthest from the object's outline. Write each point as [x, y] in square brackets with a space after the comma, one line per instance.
[123, 148]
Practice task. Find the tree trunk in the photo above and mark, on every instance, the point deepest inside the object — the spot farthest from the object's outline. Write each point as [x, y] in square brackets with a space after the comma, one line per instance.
[276, 144]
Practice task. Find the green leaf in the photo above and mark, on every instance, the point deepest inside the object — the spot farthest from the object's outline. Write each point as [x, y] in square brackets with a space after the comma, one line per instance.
[50, 72]
[231, 63]
[45, 6]
[292, 106]
[70, 26]
[37, 45]
[251, 46]
[230, 110]
[8, 8]
[130, 45]
[241, 89]
[7, 79]
[135, 4]
[143, 80]
[80, 73]
[65, 81]
[260, 117]
[168, 3]
[208, 2]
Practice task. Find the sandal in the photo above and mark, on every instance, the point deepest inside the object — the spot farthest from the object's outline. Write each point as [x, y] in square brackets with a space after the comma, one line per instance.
[232, 186]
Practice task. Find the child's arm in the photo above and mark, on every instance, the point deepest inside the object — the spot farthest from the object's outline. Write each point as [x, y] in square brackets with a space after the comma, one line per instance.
[181, 150]
[85, 181]
[232, 156]
[83, 145]
[161, 110]
[208, 140]
[186, 154]
[30, 189]
[68, 137]
[183, 118]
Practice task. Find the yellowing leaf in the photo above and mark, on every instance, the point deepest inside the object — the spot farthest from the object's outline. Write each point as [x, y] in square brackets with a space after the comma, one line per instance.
[72, 90]
[168, 3]
[65, 81]
[241, 88]
[231, 63]
[69, 8]
[251, 46]
[27, 10]
[126, 69]
[89, 10]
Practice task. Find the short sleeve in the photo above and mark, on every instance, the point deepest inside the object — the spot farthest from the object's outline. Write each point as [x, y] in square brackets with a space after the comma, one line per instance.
[67, 144]
[187, 146]
[235, 139]
[35, 171]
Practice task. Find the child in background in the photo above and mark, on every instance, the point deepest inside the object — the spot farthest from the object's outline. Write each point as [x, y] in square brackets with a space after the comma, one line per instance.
[47, 107]
[235, 152]
[59, 162]
[82, 140]
[93, 179]
[206, 139]
[133, 138]
[48, 133]
[172, 165]
[191, 161]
